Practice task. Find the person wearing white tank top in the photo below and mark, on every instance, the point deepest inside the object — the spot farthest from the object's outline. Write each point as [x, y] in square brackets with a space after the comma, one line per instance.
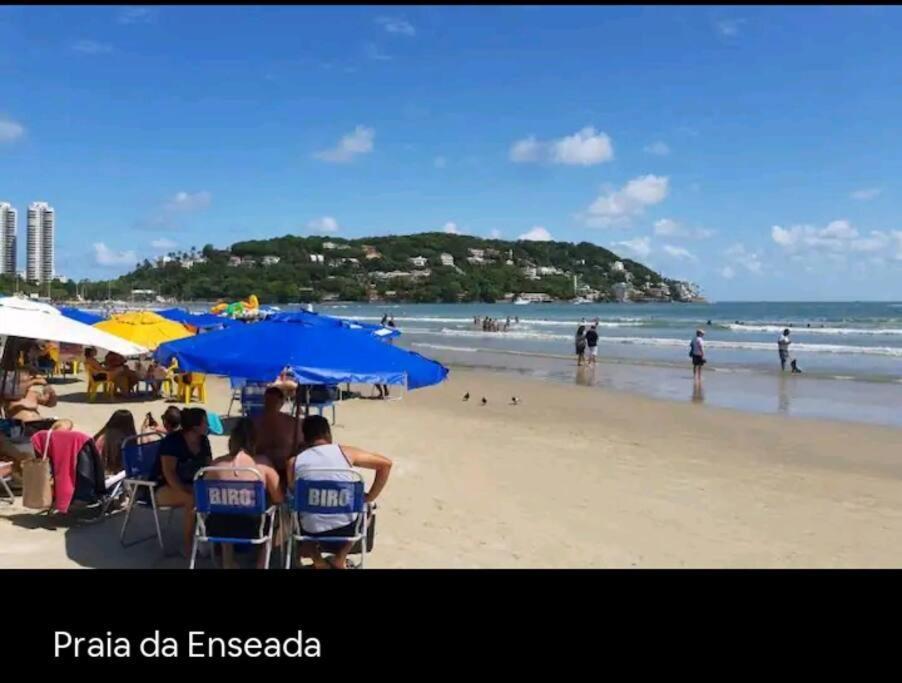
[318, 453]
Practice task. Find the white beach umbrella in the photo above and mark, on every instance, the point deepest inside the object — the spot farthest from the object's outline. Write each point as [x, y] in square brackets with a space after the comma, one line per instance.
[34, 320]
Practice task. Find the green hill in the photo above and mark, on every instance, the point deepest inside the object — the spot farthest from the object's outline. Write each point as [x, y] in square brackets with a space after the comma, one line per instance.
[400, 267]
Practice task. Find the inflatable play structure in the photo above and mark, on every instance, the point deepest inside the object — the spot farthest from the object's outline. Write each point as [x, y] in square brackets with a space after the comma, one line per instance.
[239, 310]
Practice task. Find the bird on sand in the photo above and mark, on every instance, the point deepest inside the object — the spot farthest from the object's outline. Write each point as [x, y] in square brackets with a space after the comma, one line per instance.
[484, 401]
[515, 401]
[467, 396]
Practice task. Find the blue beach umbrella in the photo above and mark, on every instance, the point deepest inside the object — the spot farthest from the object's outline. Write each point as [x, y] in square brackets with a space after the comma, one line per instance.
[316, 353]
[202, 321]
[319, 319]
[81, 316]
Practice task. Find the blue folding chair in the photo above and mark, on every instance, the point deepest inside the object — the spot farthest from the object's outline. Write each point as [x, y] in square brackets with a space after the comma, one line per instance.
[328, 497]
[245, 498]
[140, 463]
[236, 384]
[252, 399]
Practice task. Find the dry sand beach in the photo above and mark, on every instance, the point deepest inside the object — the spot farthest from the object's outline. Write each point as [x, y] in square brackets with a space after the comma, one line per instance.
[572, 477]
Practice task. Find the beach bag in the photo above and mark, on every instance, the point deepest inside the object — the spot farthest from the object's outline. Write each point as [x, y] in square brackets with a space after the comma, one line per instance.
[37, 481]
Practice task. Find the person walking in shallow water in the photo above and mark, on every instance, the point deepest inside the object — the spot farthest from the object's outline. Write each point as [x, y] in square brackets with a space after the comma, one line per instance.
[783, 348]
[697, 354]
[580, 344]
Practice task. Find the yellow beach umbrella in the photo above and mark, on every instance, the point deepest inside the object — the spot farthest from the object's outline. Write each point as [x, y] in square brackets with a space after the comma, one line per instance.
[144, 327]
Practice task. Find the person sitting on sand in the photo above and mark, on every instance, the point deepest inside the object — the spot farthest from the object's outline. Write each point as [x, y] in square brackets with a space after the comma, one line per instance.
[182, 454]
[242, 453]
[319, 452]
[794, 366]
[277, 432]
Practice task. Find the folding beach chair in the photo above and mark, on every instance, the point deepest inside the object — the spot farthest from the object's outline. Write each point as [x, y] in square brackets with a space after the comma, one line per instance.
[236, 385]
[252, 399]
[321, 397]
[232, 501]
[330, 497]
[140, 462]
[6, 495]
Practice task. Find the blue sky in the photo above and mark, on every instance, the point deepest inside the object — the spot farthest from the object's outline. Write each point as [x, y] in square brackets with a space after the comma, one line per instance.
[755, 150]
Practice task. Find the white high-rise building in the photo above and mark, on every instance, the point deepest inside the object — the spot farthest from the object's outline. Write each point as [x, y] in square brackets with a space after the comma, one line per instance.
[7, 239]
[39, 246]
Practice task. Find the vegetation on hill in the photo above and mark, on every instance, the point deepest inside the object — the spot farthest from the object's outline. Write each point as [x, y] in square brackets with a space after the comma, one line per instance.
[401, 267]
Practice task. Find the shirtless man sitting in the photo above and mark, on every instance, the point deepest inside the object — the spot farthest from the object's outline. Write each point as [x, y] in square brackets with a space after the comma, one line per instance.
[277, 432]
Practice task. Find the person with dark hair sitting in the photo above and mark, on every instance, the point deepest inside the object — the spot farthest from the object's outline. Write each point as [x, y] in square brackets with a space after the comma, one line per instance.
[242, 451]
[182, 454]
[278, 433]
[320, 453]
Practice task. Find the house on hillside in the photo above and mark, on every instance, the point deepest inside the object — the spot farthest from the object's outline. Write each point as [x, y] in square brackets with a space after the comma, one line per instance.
[233, 261]
[530, 272]
[419, 261]
[248, 261]
[330, 245]
[316, 258]
[617, 267]
[477, 253]
[446, 259]
[270, 260]
[370, 252]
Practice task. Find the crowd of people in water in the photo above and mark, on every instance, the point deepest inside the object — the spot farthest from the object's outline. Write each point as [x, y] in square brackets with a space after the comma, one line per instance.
[494, 324]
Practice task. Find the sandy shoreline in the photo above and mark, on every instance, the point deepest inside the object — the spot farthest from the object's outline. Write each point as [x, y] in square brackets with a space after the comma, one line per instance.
[574, 476]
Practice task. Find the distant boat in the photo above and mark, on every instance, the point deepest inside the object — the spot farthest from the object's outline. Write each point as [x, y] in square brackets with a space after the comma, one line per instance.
[581, 300]
[521, 302]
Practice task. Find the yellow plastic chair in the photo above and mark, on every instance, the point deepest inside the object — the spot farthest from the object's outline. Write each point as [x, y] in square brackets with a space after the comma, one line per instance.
[171, 382]
[105, 386]
[197, 385]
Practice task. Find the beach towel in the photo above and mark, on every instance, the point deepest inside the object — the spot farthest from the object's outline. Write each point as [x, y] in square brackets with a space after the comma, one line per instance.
[75, 462]
[214, 424]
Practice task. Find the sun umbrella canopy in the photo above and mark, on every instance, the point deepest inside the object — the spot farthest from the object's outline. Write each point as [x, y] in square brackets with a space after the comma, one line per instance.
[144, 328]
[318, 354]
[202, 321]
[33, 320]
[328, 320]
[81, 316]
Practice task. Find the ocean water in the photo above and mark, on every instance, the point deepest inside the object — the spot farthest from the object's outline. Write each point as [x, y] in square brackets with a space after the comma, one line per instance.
[850, 353]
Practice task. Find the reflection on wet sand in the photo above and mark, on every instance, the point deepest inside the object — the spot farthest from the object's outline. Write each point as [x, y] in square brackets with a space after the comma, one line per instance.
[698, 392]
[783, 396]
[585, 375]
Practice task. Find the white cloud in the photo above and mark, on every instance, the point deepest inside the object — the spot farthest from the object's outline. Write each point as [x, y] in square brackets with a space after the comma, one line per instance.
[586, 147]
[835, 240]
[91, 47]
[738, 255]
[658, 148]
[495, 234]
[104, 256]
[729, 27]
[10, 130]
[373, 52]
[440, 162]
[186, 201]
[526, 150]
[136, 15]
[163, 243]
[667, 226]
[451, 228]
[397, 25]
[536, 234]
[727, 272]
[866, 194]
[619, 206]
[640, 246]
[324, 224]
[359, 141]
[679, 252]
